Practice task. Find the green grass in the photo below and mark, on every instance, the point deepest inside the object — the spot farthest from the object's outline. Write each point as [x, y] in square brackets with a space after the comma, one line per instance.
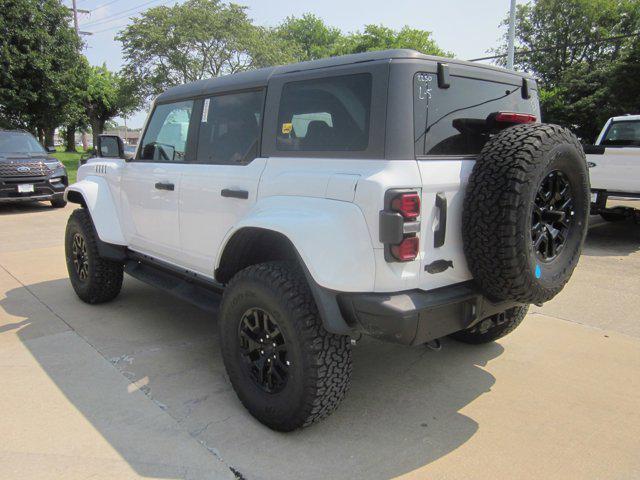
[71, 160]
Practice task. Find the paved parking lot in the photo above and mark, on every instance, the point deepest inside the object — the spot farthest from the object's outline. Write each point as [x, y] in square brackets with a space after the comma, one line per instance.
[136, 388]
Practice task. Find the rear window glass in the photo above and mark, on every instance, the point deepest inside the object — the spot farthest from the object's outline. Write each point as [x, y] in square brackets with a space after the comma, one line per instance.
[452, 121]
[624, 133]
[328, 114]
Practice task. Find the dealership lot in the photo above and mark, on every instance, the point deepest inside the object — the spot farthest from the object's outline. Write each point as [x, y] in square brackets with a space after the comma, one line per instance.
[136, 388]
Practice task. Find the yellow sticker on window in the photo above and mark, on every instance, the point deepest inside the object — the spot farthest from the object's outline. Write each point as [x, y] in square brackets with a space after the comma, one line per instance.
[286, 128]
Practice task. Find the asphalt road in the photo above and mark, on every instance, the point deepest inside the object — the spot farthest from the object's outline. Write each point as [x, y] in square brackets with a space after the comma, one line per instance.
[136, 388]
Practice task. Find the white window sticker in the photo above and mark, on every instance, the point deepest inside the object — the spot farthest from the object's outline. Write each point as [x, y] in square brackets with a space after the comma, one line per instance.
[205, 110]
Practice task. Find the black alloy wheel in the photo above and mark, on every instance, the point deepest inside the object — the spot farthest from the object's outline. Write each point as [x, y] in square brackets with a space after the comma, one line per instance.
[552, 216]
[264, 350]
[80, 257]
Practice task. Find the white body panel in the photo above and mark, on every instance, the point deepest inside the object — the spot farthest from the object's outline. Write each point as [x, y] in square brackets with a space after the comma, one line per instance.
[150, 216]
[618, 169]
[448, 177]
[206, 217]
[100, 193]
[328, 208]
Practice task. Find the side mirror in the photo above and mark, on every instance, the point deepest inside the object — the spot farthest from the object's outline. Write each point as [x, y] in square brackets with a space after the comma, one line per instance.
[110, 146]
[593, 149]
[51, 149]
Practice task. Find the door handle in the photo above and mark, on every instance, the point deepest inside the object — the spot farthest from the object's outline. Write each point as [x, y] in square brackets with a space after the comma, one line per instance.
[439, 234]
[226, 192]
[165, 186]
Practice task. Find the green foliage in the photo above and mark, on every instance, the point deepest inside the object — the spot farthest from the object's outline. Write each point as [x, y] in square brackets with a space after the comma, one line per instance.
[107, 95]
[584, 80]
[308, 37]
[379, 37]
[38, 59]
[197, 39]
[71, 160]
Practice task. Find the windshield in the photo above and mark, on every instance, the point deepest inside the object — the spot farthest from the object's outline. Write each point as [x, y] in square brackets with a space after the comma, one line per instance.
[623, 133]
[19, 142]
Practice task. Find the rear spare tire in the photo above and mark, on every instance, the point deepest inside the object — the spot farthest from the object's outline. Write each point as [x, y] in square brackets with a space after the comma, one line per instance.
[525, 213]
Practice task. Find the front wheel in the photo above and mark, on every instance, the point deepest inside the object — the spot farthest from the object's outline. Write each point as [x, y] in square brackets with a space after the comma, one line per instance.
[58, 202]
[493, 327]
[94, 279]
[287, 370]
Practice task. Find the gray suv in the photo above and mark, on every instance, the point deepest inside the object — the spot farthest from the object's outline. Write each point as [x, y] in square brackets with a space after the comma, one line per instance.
[28, 172]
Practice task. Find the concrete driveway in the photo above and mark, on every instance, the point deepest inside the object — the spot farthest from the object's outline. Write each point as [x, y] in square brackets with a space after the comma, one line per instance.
[136, 388]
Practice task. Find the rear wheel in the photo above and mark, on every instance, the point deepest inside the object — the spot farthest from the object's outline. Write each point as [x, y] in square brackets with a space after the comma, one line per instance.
[94, 279]
[287, 370]
[493, 327]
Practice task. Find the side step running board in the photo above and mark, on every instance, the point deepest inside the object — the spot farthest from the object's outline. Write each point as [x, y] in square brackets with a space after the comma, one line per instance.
[185, 289]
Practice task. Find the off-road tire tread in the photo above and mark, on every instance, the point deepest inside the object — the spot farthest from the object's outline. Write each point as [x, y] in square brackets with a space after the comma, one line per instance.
[493, 203]
[58, 202]
[328, 356]
[105, 279]
[494, 327]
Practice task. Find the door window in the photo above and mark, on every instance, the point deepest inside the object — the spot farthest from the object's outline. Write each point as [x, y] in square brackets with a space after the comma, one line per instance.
[229, 132]
[326, 114]
[166, 137]
[624, 133]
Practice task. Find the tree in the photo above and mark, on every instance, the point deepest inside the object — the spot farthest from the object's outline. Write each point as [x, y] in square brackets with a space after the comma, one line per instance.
[379, 37]
[308, 37]
[581, 75]
[562, 33]
[107, 95]
[198, 39]
[39, 53]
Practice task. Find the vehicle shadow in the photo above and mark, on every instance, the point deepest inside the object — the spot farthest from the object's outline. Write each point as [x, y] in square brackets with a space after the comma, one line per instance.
[611, 238]
[21, 208]
[402, 412]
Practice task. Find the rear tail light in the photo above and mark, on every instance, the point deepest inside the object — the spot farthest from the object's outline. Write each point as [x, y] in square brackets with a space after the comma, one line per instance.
[400, 225]
[406, 250]
[407, 205]
[513, 117]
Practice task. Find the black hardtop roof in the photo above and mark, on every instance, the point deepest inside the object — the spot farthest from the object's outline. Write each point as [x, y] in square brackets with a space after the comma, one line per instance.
[260, 78]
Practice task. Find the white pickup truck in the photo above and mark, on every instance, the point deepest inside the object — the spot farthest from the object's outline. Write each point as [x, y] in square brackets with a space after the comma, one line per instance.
[614, 166]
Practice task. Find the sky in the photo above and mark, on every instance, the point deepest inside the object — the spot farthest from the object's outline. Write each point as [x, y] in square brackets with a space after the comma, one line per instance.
[468, 28]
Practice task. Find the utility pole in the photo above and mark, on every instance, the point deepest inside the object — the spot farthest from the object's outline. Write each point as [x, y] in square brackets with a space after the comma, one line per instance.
[75, 17]
[512, 35]
[75, 11]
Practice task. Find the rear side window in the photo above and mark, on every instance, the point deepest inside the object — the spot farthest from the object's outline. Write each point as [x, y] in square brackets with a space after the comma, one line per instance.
[229, 131]
[166, 137]
[453, 121]
[327, 114]
[623, 134]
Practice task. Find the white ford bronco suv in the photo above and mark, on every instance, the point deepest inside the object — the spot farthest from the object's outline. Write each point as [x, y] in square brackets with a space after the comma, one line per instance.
[391, 194]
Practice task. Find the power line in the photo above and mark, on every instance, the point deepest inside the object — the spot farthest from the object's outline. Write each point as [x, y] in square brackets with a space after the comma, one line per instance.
[550, 49]
[119, 15]
[104, 5]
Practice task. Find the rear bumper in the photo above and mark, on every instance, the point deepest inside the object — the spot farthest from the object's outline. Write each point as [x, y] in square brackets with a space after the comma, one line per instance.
[416, 316]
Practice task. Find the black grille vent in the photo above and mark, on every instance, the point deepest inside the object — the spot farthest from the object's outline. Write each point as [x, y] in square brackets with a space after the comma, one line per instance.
[23, 169]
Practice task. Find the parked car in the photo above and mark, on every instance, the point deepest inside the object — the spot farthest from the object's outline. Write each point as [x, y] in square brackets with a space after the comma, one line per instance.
[392, 194]
[28, 172]
[614, 163]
